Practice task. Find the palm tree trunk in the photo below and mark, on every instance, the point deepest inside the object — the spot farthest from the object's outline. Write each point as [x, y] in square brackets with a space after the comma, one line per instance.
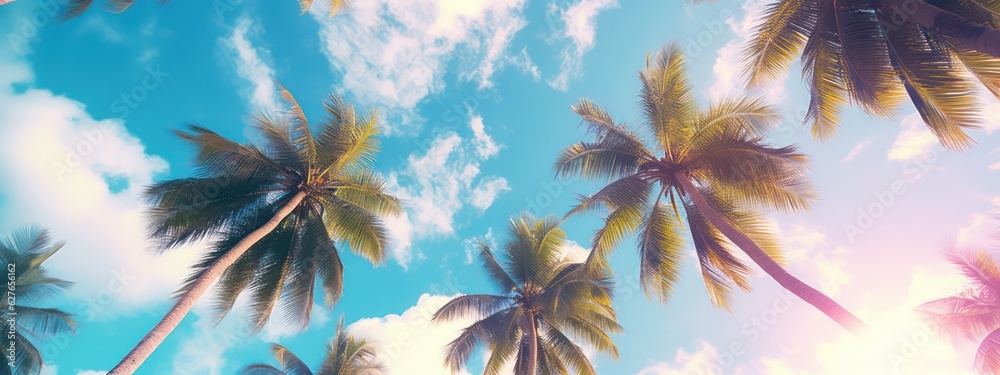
[155, 337]
[532, 346]
[972, 35]
[807, 293]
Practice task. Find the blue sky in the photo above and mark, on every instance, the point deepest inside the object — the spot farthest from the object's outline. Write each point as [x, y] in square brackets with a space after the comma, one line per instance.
[476, 98]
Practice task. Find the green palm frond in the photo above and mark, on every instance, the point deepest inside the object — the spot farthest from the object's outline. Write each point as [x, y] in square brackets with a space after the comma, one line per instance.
[667, 97]
[660, 253]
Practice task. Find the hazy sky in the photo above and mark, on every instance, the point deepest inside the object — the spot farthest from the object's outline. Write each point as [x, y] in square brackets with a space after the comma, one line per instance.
[476, 98]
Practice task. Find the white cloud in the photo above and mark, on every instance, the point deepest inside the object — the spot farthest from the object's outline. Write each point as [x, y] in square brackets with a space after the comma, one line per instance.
[82, 178]
[705, 358]
[523, 61]
[395, 53]
[485, 146]
[578, 25]
[914, 141]
[435, 182]
[728, 68]
[438, 184]
[252, 64]
[204, 352]
[410, 343]
[861, 146]
[487, 191]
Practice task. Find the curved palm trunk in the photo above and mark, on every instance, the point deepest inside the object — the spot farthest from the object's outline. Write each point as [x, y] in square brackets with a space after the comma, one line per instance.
[532, 346]
[155, 337]
[807, 293]
[970, 34]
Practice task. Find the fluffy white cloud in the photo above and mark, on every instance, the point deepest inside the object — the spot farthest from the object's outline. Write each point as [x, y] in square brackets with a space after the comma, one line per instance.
[578, 26]
[204, 351]
[252, 63]
[82, 178]
[728, 68]
[395, 53]
[485, 146]
[705, 358]
[914, 141]
[487, 191]
[410, 343]
[438, 184]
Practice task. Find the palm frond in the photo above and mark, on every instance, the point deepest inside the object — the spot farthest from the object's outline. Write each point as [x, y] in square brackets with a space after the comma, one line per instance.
[777, 39]
[660, 253]
[667, 97]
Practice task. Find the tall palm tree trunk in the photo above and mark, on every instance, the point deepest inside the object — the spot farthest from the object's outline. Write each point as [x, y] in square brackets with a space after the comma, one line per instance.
[807, 293]
[532, 346]
[970, 34]
[155, 337]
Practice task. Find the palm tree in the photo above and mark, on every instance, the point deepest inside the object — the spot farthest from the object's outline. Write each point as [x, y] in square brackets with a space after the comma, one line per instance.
[975, 312]
[713, 166]
[877, 53]
[75, 8]
[28, 286]
[346, 355]
[274, 214]
[542, 296]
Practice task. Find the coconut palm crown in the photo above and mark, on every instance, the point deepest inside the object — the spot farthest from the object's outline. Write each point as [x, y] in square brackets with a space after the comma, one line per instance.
[710, 164]
[30, 285]
[345, 355]
[878, 53]
[543, 299]
[277, 214]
